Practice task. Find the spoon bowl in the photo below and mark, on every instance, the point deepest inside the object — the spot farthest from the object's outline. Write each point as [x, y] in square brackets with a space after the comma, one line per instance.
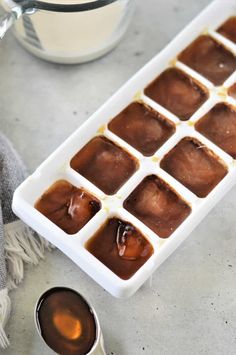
[98, 345]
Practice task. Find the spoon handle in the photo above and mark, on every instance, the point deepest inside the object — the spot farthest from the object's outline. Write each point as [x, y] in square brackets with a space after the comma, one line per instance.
[99, 350]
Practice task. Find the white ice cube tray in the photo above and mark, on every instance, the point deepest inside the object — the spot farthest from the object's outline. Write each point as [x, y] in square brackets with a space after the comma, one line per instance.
[57, 165]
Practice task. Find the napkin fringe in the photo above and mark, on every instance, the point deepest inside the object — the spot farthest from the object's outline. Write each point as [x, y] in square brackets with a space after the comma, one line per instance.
[22, 245]
[5, 310]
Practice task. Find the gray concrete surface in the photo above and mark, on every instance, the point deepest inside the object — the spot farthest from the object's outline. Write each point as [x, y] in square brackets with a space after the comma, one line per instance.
[190, 309]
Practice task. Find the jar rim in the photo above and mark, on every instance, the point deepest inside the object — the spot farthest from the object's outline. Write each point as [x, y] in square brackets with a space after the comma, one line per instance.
[55, 7]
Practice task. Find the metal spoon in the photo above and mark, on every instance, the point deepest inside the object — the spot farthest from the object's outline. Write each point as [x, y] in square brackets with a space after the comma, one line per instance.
[98, 346]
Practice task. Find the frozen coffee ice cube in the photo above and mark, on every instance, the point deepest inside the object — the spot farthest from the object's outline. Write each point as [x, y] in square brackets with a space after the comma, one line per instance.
[158, 206]
[228, 29]
[121, 247]
[232, 91]
[219, 125]
[209, 58]
[69, 207]
[142, 127]
[105, 164]
[177, 92]
[195, 166]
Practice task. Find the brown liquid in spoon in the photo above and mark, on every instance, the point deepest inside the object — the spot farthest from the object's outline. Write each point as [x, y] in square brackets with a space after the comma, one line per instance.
[66, 322]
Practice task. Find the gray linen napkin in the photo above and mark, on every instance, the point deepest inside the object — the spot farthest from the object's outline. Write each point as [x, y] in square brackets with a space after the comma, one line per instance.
[18, 243]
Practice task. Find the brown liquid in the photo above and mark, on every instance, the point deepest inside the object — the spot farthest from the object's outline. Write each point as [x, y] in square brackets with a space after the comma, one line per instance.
[219, 125]
[196, 167]
[69, 207]
[143, 128]
[105, 164]
[158, 206]
[66, 322]
[232, 91]
[121, 247]
[210, 59]
[177, 92]
[228, 29]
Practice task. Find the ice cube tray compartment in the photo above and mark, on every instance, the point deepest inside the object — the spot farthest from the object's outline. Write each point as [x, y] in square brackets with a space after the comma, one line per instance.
[141, 127]
[105, 164]
[209, 58]
[219, 126]
[232, 91]
[121, 247]
[228, 29]
[68, 206]
[58, 167]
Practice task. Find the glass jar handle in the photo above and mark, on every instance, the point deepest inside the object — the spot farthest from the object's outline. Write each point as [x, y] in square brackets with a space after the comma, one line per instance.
[7, 20]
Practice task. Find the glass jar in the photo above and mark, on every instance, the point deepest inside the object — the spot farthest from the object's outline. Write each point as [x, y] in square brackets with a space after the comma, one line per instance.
[73, 32]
